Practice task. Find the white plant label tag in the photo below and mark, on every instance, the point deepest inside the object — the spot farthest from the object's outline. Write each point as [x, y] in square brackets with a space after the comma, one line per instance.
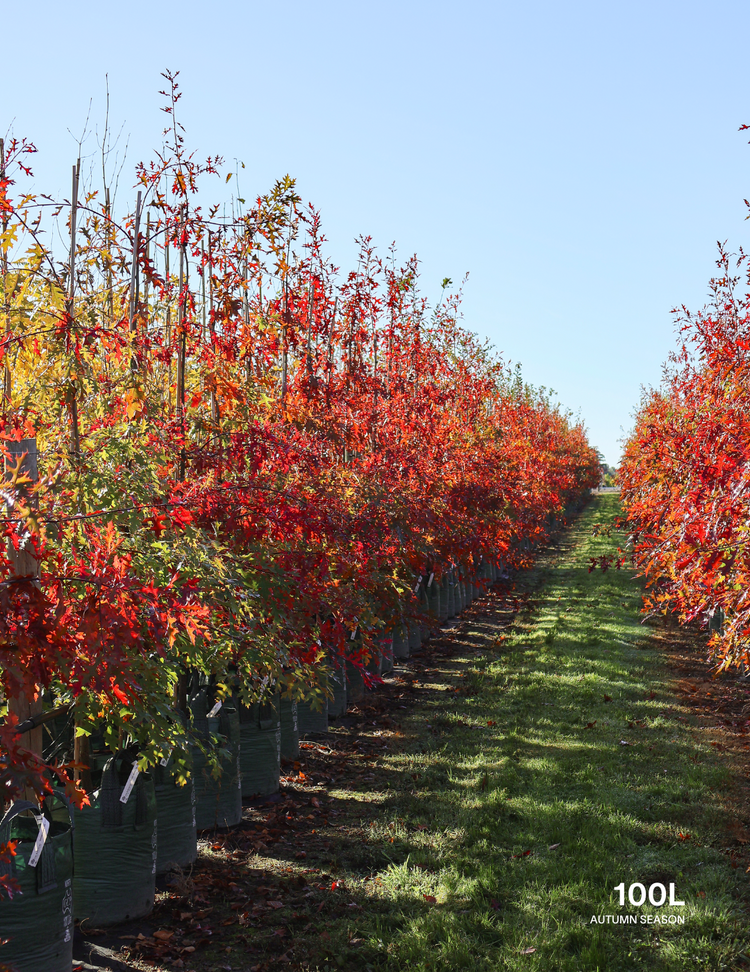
[416, 589]
[165, 759]
[214, 712]
[128, 788]
[41, 840]
[432, 577]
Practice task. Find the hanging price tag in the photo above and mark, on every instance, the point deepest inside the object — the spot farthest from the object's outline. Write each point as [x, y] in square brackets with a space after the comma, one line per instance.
[354, 635]
[128, 788]
[429, 582]
[215, 711]
[41, 839]
[416, 589]
[165, 759]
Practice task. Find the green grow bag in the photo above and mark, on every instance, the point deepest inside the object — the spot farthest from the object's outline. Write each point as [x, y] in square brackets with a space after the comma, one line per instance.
[355, 683]
[218, 801]
[433, 599]
[115, 849]
[424, 606]
[443, 599]
[374, 664]
[289, 729]
[469, 589]
[38, 922]
[400, 642]
[451, 594]
[337, 705]
[311, 720]
[386, 653]
[260, 748]
[177, 837]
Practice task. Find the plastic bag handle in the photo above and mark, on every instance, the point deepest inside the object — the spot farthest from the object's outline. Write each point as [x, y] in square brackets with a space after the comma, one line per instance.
[15, 808]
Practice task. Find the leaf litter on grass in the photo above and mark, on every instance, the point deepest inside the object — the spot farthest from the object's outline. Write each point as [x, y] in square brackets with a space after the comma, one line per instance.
[461, 849]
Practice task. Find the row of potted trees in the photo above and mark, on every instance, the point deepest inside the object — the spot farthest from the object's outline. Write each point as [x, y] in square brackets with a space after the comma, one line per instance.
[230, 473]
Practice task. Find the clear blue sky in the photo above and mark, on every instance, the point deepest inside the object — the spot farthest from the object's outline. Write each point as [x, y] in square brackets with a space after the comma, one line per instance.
[579, 159]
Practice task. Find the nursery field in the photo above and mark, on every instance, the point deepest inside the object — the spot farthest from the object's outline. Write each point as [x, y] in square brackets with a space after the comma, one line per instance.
[484, 803]
[292, 559]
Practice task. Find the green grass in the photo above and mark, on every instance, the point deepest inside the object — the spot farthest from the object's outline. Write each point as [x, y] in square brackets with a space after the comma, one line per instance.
[460, 805]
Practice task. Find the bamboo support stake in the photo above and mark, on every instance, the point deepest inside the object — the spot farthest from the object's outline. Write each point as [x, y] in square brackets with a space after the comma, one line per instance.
[329, 358]
[4, 244]
[133, 309]
[375, 384]
[23, 456]
[147, 254]
[203, 291]
[284, 329]
[182, 349]
[212, 328]
[284, 355]
[108, 248]
[168, 321]
[75, 439]
[246, 319]
[309, 330]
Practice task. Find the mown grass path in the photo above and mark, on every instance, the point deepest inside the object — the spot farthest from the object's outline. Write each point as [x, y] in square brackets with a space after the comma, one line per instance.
[561, 766]
[478, 809]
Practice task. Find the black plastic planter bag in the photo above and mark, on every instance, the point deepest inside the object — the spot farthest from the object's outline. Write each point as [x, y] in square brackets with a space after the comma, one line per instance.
[218, 801]
[260, 748]
[38, 922]
[177, 838]
[115, 848]
[337, 705]
[289, 729]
